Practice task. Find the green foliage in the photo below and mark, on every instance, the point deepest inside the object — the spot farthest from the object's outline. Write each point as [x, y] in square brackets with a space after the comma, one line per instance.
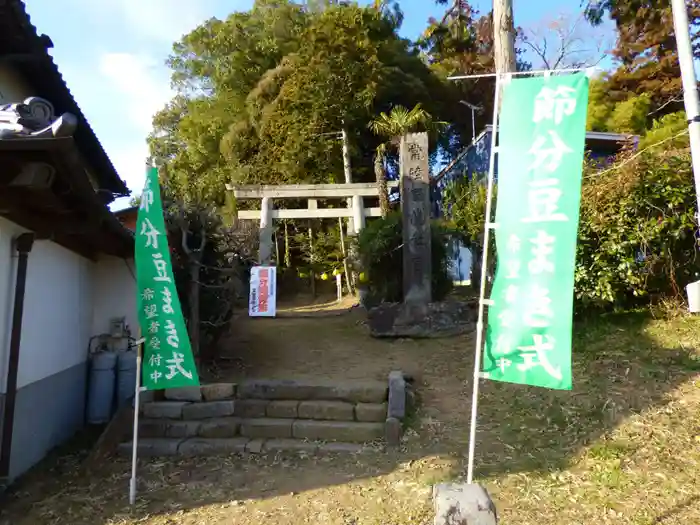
[666, 131]
[600, 106]
[637, 236]
[631, 115]
[615, 114]
[224, 265]
[464, 203]
[380, 247]
[323, 253]
[261, 94]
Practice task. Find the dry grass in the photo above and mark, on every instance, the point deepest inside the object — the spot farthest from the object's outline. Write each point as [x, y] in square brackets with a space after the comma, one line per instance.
[623, 447]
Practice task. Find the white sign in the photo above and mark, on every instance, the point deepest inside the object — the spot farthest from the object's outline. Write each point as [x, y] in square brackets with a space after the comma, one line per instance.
[263, 286]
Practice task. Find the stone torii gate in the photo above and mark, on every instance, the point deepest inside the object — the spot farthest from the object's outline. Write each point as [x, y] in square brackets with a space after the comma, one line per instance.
[311, 192]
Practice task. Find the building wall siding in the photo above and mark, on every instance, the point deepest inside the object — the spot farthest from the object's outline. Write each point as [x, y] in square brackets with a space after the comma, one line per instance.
[68, 299]
[47, 413]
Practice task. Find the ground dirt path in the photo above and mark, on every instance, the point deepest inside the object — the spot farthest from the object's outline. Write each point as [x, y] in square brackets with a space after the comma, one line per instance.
[623, 447]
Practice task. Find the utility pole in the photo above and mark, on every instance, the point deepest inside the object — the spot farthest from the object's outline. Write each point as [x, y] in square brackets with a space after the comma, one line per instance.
[690, 86]
[503, 36]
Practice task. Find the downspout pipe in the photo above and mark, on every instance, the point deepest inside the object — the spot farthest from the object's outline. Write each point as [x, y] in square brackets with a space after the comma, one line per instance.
[23, 244]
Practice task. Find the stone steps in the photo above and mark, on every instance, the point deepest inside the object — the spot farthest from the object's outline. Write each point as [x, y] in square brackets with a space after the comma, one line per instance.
[260, 416]
[264, 427]
[196, 446]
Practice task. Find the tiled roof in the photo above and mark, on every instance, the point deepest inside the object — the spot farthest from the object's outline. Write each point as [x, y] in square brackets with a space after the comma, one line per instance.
[21, 46]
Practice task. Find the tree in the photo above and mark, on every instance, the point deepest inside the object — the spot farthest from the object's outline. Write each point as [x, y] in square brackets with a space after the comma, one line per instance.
[646, 46]
[504, 35]
[393, 126]
[462, 43]
[566, 41]
[261, 93]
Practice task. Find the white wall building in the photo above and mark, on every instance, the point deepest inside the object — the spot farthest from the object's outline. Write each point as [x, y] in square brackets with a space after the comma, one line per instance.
[55, 183]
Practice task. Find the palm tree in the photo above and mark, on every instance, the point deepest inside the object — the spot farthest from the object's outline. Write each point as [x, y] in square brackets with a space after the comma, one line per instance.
[393, 127]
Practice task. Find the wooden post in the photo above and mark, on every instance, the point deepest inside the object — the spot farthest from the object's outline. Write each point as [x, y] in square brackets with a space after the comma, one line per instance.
[265, 252]
[358, 213]
[313, 205]
[345, 256]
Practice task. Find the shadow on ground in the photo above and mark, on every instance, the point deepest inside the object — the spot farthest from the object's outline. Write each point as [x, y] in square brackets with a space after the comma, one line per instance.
[623, 365]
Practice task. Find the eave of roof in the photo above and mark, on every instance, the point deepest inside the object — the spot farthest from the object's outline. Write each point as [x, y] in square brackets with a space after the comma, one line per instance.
[19, 39]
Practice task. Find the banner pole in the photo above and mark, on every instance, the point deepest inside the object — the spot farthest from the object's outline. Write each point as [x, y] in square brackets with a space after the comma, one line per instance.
[482, 289]
[132, 483]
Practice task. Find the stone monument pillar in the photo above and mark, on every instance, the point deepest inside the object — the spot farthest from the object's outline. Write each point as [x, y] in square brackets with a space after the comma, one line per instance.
[415, 208]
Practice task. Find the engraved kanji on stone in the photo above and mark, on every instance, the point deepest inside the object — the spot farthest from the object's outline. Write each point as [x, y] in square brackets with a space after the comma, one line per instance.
[415, 151]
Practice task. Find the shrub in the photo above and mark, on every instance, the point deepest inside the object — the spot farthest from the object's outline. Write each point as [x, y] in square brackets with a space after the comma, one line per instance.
[380, 248]
[637, 234]
[224, 267]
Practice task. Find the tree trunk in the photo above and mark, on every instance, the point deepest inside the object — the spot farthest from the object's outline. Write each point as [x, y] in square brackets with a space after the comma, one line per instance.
[194, 306]
[380, 173]
[504, 36]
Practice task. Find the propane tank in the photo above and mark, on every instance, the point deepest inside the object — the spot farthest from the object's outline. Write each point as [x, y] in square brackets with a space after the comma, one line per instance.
[126, 378]
[101, 388]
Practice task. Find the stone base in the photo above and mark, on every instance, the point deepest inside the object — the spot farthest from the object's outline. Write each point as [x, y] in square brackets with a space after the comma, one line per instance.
[463, 504]
[445, 319]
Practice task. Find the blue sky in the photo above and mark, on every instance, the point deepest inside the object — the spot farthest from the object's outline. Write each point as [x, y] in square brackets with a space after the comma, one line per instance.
[112, 54]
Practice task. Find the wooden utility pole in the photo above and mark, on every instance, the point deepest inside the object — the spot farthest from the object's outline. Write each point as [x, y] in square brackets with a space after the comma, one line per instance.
[504, 35]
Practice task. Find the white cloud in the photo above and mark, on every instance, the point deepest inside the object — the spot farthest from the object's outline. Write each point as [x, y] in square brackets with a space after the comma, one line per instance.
[166, 20]
[130, 163]
[143, 84]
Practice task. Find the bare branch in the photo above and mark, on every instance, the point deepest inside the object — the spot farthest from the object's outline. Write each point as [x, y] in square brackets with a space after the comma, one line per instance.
[567, 41]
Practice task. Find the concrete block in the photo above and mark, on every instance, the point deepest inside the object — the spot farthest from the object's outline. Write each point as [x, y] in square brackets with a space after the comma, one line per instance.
[359, 392]
[392, 432]
[354, 392]
[167, 428]
[340, 448]
[463, 504]
[152, 447]
[255, 446]
[220, 427]
[185, 393]
[250, 408]
[282, 409]
[275, 389]
[164, 409]
[205, 446]
[329, 410]
[397, 395]
[208, 409]
[218, 391]
[290, 445]
[267, 428]
[370, 411]
[348, 431]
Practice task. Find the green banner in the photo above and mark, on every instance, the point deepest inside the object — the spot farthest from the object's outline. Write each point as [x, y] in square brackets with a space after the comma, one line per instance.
[167, 356]
[540, 159]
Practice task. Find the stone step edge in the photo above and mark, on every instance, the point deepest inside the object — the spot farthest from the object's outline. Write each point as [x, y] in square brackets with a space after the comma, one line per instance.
[195, 446]
[247, 409]
[368, 391]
